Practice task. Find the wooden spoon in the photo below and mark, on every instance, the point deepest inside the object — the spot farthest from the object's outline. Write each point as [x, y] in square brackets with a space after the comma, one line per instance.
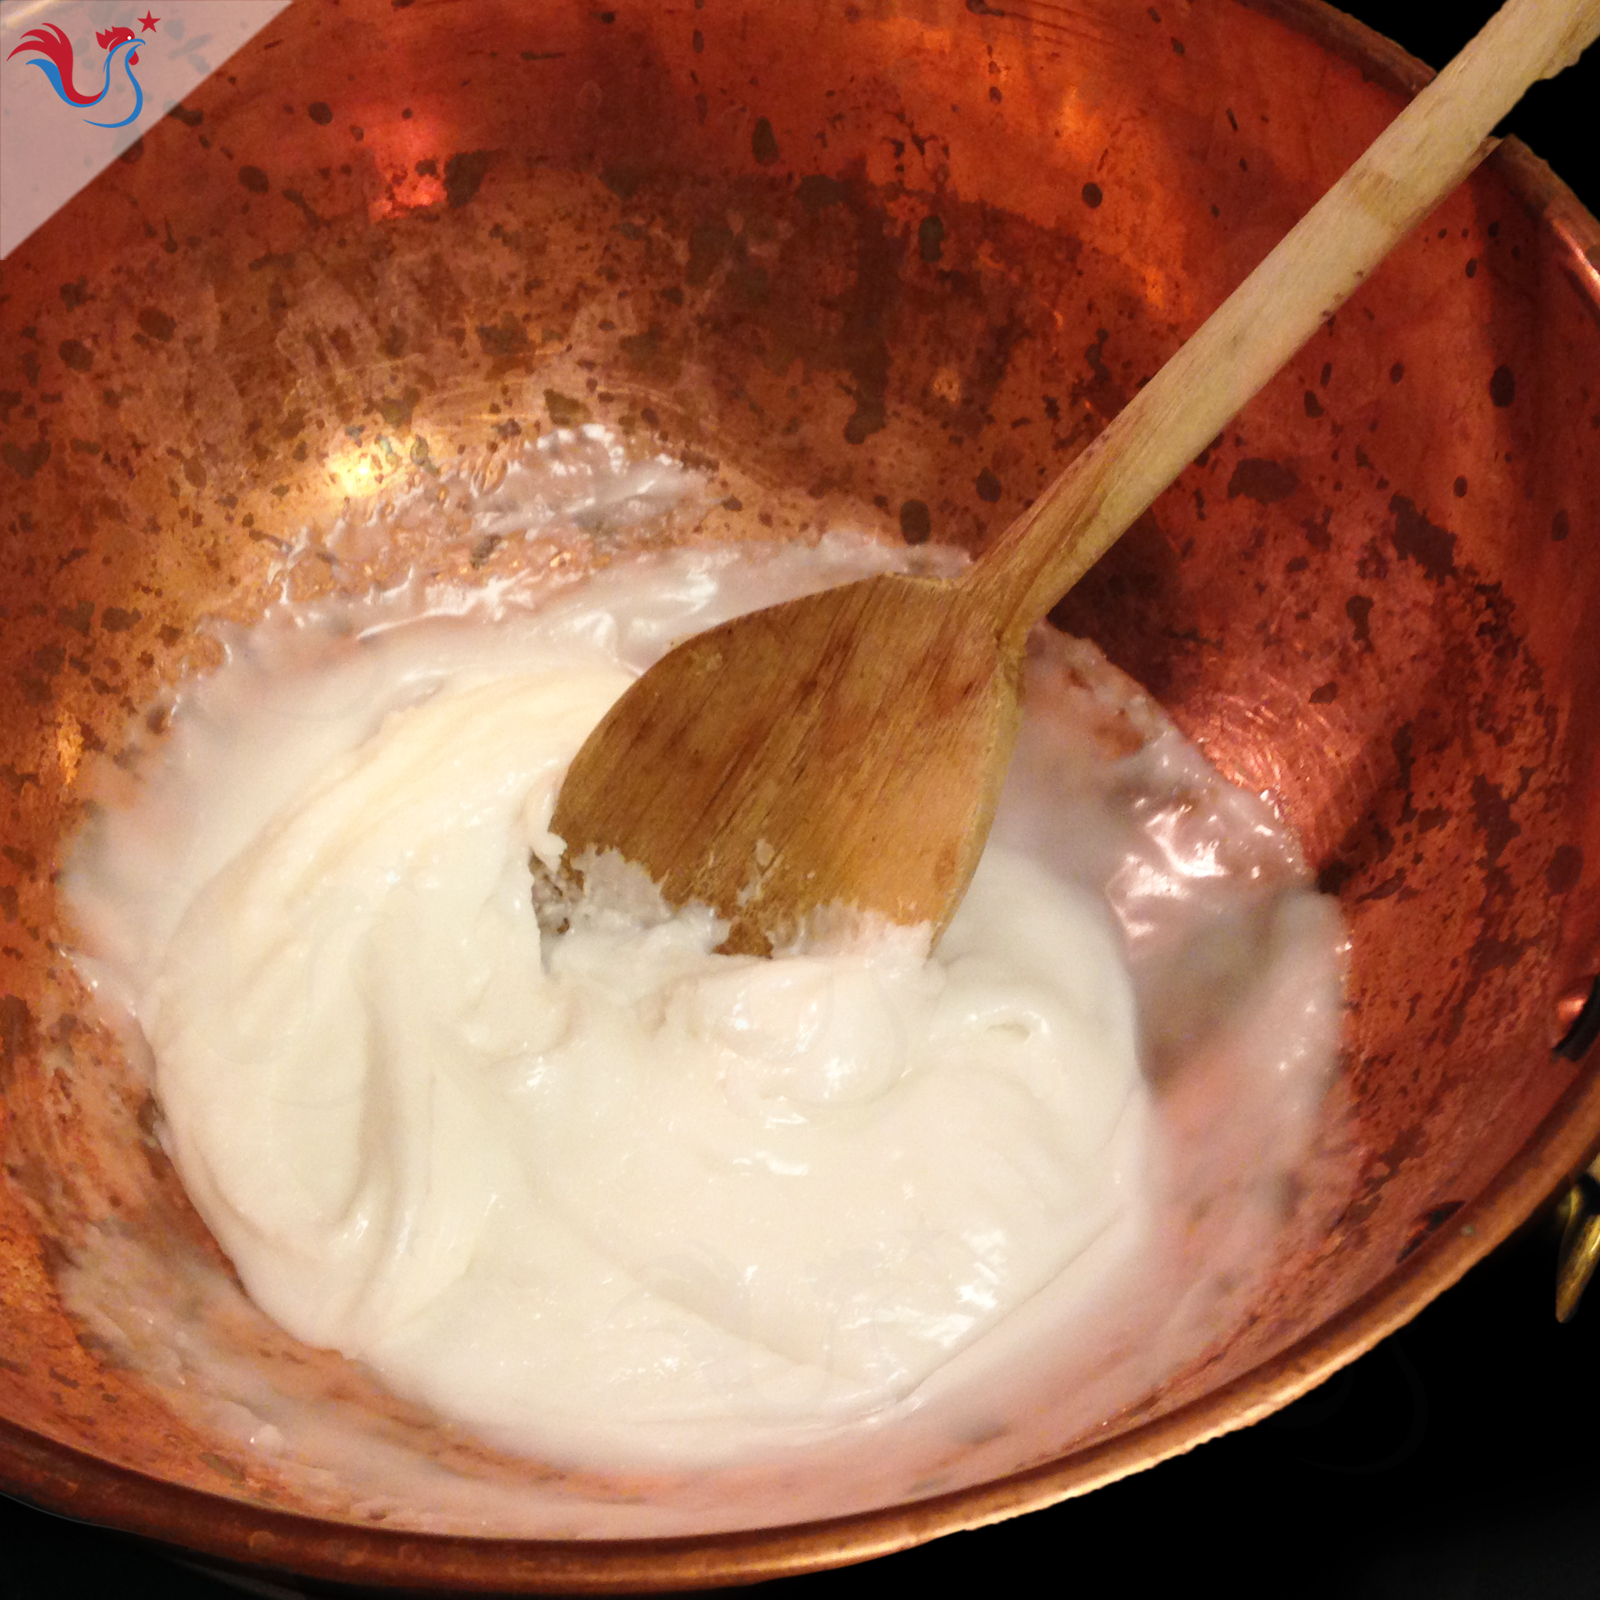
[848, 748]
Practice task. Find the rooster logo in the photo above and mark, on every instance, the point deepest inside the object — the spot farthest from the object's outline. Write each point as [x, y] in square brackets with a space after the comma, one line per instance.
[50, 50]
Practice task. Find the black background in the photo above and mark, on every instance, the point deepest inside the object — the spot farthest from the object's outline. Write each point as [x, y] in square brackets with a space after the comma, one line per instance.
[1460, 1460]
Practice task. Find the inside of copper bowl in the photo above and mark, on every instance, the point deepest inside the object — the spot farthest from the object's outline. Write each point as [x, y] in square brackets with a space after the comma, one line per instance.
[891, 280]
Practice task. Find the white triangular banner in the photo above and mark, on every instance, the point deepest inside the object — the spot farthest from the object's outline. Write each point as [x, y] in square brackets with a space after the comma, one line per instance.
[81, 80]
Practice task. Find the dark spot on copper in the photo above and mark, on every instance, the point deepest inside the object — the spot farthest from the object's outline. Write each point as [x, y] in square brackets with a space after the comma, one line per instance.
[1177, 47]
[1397, 372]
[995, 95]
[698, 41]
[916, 522]
[427, 168]
[157, 324]
[565, 412]
[1327, 372]
[1566, 867]
[1324, 693]
[396, 409]
[764, 143]
[818, 191]
[1461, 488]
[115, 620]
[1427, 1224]
[76, 354]
[254, 179]
[988, 486]
[296, 198]
[463, 173]
[930, 238]
[623, 179]
[188, 117]
[748, 282]
[1313, 405]
[25, 462]
[709, 242]
[1318, 530]
[76, 294]
[1334, 876]
[1102, 390]
[1385, 890]
[1502, 386]
[1417, 539]
[320, 111]
[1404, 745]
[1560, 525]
[1359, 610]
[1262, 480]
[651, 354]
[1491, 810]
[16, 1034]
[1472, 267]
[1092, 195]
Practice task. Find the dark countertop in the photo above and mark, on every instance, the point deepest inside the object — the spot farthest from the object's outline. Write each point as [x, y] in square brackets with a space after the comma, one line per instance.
[1459, 1460]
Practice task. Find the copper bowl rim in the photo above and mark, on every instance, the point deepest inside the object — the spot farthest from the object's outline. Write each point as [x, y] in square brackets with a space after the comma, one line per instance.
[65, 1481]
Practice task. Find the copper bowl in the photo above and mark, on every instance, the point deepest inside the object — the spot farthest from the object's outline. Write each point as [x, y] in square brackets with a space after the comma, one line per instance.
[890, 263]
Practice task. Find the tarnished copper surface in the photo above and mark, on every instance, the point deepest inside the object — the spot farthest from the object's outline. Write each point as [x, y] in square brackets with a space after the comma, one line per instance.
[889, 263]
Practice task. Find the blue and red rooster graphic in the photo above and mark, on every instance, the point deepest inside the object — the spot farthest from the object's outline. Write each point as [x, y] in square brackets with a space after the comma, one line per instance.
[51, 53]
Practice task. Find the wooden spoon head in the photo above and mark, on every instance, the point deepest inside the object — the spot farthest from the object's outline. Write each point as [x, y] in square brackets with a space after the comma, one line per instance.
[843, 749]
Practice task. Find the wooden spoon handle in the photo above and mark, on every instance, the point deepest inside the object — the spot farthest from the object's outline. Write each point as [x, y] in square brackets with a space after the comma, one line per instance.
[1424, 153]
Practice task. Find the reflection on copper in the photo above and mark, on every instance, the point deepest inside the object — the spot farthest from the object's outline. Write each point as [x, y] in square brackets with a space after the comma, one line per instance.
[409, 158]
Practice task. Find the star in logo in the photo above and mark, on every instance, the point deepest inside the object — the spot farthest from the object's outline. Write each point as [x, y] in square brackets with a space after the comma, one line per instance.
[147, 23]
